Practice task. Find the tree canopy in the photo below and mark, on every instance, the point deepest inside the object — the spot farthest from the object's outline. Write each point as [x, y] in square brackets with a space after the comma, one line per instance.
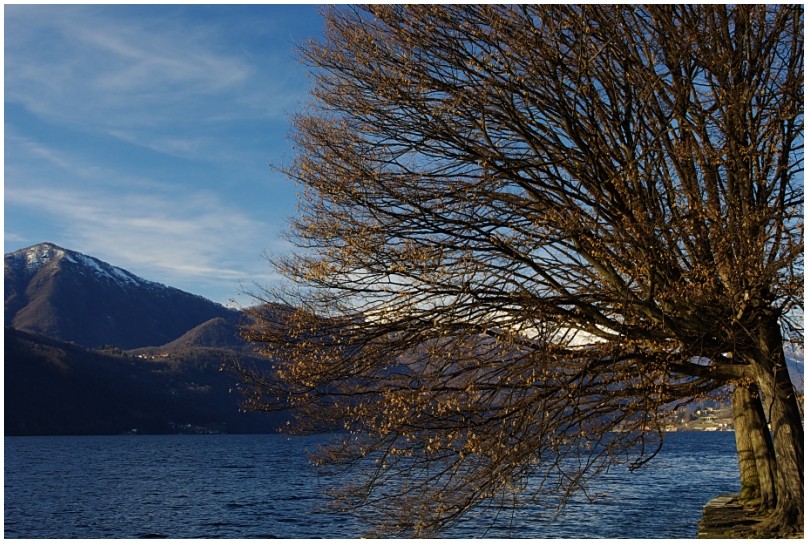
[527, 233]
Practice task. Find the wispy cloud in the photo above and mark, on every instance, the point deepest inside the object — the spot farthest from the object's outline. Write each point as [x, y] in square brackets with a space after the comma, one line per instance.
[163, 231]
[120, 73]
[175, 238]
[14, 237]
[141, 135]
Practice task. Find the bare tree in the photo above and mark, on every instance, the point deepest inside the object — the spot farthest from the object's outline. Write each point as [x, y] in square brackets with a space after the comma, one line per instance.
[526, 233]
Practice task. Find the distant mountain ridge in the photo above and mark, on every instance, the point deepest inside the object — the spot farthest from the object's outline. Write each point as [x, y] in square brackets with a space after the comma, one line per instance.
[57, 388]
[70, 296]
[90, 348]
[219, 332]
[159, 368]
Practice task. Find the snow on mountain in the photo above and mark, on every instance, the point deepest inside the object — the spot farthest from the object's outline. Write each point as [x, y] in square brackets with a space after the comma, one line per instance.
[47, 254]
[116, 274]
[71, 296]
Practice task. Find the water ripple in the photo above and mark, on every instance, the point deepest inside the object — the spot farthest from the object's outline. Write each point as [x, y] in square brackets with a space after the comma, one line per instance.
[263, 487]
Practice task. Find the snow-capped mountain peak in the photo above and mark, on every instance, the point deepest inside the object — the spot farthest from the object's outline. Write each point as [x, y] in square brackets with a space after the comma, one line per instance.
[71, 296]
[39, 255]
[32, 259]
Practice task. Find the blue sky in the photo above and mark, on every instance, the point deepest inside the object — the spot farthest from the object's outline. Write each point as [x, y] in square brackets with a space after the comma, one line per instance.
[142, 135]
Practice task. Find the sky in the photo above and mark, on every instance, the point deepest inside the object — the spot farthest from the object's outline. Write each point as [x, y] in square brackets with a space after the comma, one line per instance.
[143, 136]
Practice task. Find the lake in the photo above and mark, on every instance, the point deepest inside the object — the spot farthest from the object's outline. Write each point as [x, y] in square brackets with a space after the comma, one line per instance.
[261, 486]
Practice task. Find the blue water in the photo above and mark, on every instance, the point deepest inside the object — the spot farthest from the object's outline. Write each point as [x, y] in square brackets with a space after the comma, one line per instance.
[261, 486]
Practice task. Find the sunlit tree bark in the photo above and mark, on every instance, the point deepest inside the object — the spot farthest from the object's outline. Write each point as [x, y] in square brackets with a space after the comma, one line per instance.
[527, 232]
[755, 451]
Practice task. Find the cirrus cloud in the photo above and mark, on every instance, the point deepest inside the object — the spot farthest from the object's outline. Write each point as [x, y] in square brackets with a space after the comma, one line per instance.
[141, 135]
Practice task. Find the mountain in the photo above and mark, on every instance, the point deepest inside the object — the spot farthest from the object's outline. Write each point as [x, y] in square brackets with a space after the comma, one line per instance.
[73, 297]
[218, 333]
[159, 370]
[90, 348]
[58, 388]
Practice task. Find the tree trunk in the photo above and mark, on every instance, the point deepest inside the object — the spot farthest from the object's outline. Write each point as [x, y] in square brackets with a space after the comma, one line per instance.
[782, 411]
[755, 449]
[741, 404]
